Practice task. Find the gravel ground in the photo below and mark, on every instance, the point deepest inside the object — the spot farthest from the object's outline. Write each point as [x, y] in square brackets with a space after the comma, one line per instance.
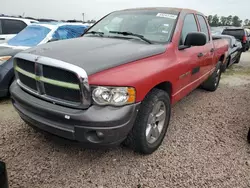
[205, 147]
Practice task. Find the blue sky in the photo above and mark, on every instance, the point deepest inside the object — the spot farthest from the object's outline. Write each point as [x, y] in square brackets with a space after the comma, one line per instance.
[95, 9]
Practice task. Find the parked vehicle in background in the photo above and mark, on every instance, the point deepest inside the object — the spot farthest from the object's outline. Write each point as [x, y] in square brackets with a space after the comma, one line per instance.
[240, 34]
[248, 37]
[234, 50]
[9, 27]
[117, 82]
[33, 35]
[217, 30]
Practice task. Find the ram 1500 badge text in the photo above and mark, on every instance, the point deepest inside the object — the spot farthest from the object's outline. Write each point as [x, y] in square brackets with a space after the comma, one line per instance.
[116, 84]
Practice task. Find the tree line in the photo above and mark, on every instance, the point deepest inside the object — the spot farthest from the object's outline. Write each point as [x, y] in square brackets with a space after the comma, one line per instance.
[215, 20]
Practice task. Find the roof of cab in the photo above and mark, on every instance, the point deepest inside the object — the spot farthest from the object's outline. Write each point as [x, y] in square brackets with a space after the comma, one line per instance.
[165, 9]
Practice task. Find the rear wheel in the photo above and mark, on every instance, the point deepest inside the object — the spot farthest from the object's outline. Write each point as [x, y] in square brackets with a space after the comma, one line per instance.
[212, 83]
[238, 58]
[151, 123]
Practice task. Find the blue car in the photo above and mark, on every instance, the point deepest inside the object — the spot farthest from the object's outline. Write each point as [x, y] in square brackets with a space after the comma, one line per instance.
[31, 36]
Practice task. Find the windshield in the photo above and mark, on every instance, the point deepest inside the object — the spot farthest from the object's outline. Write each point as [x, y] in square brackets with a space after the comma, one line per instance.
[30, 36]
[153, 26]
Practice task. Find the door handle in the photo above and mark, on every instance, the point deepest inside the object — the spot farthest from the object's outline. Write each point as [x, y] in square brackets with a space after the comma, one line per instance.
[200, 55]
[2, 38]
[212, 50]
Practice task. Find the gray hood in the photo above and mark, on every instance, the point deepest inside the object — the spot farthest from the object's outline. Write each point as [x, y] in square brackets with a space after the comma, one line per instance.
[95, 54]
[6, 51]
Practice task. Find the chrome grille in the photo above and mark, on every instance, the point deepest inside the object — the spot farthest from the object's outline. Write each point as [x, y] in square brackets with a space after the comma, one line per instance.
[53, 80]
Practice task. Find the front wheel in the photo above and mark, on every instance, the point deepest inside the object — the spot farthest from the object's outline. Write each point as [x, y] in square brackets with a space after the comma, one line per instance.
[151, 123]
[212, 83]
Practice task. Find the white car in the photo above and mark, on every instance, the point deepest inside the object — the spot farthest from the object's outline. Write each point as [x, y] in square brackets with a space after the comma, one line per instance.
[41, 33]
[10, 26]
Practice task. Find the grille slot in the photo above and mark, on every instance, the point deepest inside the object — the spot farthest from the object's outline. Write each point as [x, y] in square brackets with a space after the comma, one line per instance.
[62, 93]
[30, 82]
[59, 74]
[26, 65]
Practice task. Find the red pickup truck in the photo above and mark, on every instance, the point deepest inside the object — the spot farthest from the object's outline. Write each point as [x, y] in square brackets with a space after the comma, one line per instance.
[116, 83]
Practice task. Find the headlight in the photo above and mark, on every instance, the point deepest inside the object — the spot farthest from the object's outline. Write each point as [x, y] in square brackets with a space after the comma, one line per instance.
[116, 96]
[4, 59]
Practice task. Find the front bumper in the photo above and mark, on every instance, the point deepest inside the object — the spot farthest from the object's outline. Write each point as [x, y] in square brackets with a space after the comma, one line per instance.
[97, 125]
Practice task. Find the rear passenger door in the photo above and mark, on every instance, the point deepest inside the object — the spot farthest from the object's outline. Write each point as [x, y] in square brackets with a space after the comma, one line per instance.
[206, 63]
[10, 28]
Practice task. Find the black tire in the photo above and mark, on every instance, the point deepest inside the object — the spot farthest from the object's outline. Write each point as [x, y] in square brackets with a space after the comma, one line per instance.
[212, 83]
[228, 61]
[137, 137]
[238, 58]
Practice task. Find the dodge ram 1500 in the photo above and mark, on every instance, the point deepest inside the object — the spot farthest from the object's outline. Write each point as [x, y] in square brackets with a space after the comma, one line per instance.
[116, 83]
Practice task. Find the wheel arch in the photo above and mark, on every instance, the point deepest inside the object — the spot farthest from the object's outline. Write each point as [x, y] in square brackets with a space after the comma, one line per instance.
[165, 86]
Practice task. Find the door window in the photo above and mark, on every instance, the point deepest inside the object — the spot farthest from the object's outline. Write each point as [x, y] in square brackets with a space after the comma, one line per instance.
[189, 26]
[12, 26]
[203, 26]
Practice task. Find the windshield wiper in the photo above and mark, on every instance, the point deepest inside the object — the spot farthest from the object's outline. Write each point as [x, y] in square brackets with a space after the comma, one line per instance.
[95, 32]
[131, 34]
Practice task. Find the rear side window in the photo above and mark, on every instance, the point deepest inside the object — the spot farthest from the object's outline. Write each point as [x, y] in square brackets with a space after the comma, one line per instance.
[189, 26]
[12, 26]
[203, 26]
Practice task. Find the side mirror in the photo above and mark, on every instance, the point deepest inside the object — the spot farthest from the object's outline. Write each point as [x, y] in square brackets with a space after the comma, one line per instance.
[53, 39]
[195, 39]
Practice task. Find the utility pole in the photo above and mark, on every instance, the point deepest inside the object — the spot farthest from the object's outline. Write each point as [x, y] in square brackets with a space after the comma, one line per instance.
[83, 17]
